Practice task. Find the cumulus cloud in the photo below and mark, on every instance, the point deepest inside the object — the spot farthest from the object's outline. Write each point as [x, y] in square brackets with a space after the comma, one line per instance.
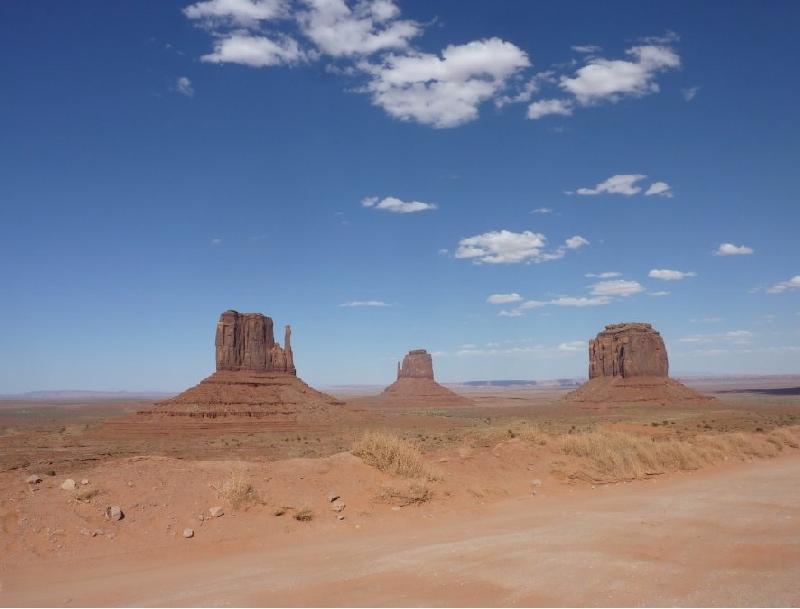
[502, 247]
[507, 247]
[184, 86]
[503, 298]
[370, 42]
[235, 13]
[622, 184]
[668, 275]
[395, 205]
[546, 107]
[611, 80]
[729, 249]
[443, 91]
[364, 303]
[616, 287]
[576, 242]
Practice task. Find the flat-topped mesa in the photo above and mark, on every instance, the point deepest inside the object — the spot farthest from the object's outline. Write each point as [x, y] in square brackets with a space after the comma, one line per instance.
[628, 350]
[245, 342]
[418, 364]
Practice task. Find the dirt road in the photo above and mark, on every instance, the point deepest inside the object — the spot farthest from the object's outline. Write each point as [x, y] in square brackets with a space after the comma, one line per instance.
[721, 538]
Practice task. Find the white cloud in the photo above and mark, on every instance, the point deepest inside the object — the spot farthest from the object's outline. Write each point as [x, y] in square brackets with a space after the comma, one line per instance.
[576, 242]
[729, 249]
[572, 346]
[606, 275]
[503, 298]
[735, 336]
[659, 293]
[531, 304]
[245, 13]
[368, 28]
[514, 313]
[216, 241]
[443, 92]
[364, 303]
[184, 86]
[689, 94]
[659, 188]
[569, 301]
[542, 210]
[395, 205]
[610, 80]
[587, 49]
[707, 320]
[793, 283]
[502, 247]
[668, 275]
[616, 287]
[546, 107]
[255, 51]
[622, 184]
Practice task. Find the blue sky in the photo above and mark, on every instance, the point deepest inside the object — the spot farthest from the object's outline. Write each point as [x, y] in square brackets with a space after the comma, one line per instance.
[491, 181]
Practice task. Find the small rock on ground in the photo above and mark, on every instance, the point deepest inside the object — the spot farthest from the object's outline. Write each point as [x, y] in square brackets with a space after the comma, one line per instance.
[188, 533]
[69, 485]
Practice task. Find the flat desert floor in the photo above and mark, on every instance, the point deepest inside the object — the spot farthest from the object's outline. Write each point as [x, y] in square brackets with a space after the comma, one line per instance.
[510, 514]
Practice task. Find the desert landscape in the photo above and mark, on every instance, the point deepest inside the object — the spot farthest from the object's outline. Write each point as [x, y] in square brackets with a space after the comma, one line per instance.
[253, 489]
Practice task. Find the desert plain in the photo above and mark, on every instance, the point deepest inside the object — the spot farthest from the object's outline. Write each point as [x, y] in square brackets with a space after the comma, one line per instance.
[519, 499]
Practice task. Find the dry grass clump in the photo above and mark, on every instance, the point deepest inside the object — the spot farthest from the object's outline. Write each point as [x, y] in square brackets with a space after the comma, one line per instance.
[305, 513]
[614, 455]
[414, 492]
[491, 436]
[238, 491]
[85, 495]
[391, 454]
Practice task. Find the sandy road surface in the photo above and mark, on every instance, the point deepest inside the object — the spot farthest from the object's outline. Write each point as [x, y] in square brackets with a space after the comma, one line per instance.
[724, 538]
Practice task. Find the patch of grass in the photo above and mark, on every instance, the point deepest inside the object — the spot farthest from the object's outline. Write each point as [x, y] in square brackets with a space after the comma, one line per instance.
[85, 495]
[305, 513]
[238, 491]
[414, 492]
[391, 454]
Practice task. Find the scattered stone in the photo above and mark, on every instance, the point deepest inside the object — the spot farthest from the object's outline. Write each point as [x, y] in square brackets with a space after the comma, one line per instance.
[114, 512]
[338, 506]
[85, 481]
[69, 485]
[536, 482]
[33, 479]
[188, 533]
[216, 511]
[201, 518]
[111, 535]
[333, 496]
[98, 532]
[340, 517]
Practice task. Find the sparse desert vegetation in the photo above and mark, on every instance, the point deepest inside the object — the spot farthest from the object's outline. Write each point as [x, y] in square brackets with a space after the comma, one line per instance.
[390, 453]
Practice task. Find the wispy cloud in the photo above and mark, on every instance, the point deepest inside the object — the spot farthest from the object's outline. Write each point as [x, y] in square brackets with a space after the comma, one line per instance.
[395, 205]
[542, 210]
[735, 336]
[668, 275]
[184, 86]
[503, 298]
[625, 184]
[791, 284]
[364, 303]
[572, 346]
[605, 275]
[729, 249]
[689, 93]
[512, 313]
[616, 287]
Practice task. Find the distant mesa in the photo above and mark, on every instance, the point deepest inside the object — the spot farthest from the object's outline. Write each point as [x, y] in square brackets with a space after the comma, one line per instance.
[255, 378]
[415, 387]
[628, 364]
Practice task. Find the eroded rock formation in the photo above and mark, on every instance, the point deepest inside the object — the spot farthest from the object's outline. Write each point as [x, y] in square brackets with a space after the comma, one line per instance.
[255, 378]
[418, 364]
[415, 387]
[628, 350]
[628, 365]
[245, 341]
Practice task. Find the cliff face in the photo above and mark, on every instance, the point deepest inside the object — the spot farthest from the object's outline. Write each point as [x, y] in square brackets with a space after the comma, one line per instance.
[245, 342]
[418, 364]
[628, 350]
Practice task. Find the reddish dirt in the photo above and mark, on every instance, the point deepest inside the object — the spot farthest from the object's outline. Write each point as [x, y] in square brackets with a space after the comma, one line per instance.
[500, 529]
